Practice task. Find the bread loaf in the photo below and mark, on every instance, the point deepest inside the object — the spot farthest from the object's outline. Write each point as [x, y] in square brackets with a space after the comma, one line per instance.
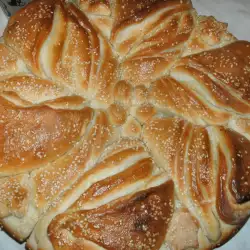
[124, 124]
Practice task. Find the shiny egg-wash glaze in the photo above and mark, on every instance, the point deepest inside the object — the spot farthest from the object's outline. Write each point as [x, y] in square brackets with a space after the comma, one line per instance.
[124, 124]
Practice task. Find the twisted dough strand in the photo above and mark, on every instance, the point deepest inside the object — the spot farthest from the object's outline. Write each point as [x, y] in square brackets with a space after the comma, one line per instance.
[120, 119]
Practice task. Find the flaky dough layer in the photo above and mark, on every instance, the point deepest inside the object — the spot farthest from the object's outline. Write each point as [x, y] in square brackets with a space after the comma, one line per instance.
[124, 124]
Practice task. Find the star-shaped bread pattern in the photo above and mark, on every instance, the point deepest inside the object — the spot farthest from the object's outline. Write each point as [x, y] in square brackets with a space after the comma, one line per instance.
[124, 124]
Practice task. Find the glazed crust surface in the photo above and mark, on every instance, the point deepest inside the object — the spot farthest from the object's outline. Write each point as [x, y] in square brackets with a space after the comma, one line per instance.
[124, 124]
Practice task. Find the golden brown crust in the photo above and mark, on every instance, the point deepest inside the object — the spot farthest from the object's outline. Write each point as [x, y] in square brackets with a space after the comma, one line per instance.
[37, 26]
[128, 14]
[31, 137]
[123, 93]
[132, 128]
[185, 103]
[136, 222]
[208, 34]
[9, 62]
[114, 111]
[31, 90]
[196, 166]
[117, 114]
[228, 66]
[14, 194]
[98, 7]
[241, 177]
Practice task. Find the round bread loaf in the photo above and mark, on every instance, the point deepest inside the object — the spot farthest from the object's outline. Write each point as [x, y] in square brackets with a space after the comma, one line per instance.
[124, 125]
